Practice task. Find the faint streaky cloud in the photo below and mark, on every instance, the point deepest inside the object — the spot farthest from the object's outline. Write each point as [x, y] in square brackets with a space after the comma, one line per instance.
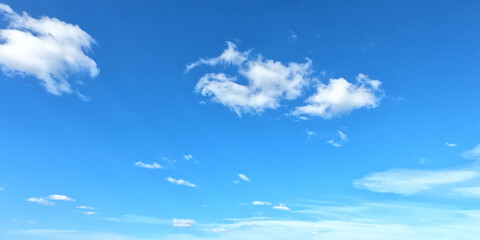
[281, 206]
[236, 181]
[260, 203]
[153, 165]
[340, 138]
[183, 222]
[219, 230]
[41, 201]
[243, 177]
[469, 191]
[451, 144]
[472, 154]
[310, 133]
[408, 182]
[424, 161]
[58, 197]
[268, 82]
[180, 182]
[46, 48]
[188, 156]
[340, 97]
[137, 219]
[85, 207]
[2, 189]
[89, 213]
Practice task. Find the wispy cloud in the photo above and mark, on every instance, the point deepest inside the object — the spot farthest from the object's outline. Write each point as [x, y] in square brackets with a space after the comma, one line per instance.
[89, 213]
[472, 154]
[408, 182]
[340, 97]
[180, 182]
[153, 165]
[41, 201]
[219, 230]
[469, 191]
[243, 177]
[2, 189]
[138, 219]
[183, 222]
[451, 144]
[281, 206]
[58, 197]
[85, 207]
[260, 203]
[424, 161]
[47, 48]
[47, 201]
[338, 140]
[187, 156]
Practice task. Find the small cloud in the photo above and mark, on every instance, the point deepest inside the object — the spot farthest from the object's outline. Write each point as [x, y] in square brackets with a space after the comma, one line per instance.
[260, 203]
[84, 207]
[243, 177]
[451, 144]
[41, 201]
[424, 161]
[57, 197]
[292, 36]
[281, 206]
[183, 222]
[219, 230]
[472, 154]
[188, 157]
[153, 165]
[310, 133]
[89, 213]
[340, 138]
[180, 182]
[236, 181]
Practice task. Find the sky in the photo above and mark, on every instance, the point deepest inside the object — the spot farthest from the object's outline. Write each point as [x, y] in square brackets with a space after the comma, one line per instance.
[208, 120]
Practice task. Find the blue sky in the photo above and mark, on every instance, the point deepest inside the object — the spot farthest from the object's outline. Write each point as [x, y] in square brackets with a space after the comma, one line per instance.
[330, 120]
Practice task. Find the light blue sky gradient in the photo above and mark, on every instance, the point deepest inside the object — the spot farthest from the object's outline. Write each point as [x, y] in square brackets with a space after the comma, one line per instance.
[148, 132]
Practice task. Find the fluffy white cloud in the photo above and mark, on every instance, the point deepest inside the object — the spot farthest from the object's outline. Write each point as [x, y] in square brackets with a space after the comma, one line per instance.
[341, 97]
[180, 182]
[268, 81]
[57, 197]
[47, 48]
[281, 207]
[472, 154]
[153, 165]
[183, 222]
[407, 182]
[42, 201]
[261, 203]
[243, 177]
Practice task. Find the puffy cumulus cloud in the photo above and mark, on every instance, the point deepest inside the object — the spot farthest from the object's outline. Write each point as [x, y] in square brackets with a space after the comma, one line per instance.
[243, 177]
[341, 97]
[183, 222]
[408, 182]
[47, 48]
[180, 182]
[153, 165]
[268, 82]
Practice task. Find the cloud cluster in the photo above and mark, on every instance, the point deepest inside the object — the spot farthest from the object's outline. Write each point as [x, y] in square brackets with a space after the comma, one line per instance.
[47, 48]
[153, 165]
[46, 200]
[269, 82]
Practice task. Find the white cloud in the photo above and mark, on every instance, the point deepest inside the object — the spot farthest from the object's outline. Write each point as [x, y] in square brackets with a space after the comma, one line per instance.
[451, 144]
[188, 157]
[268, 81]
[341, 97]
[424, 161]
[310, 133]
[183, 222]
[340, 139]
[42, 201]
[89, 213]
[57, 197]
[47, 48]
[180, 182]
[469, 191]
[281, 206]
[236, 181]
[85, 207]
[261, 203]
[407, 182]
[219, 230]
[472, 154]
[243, 177]
[153, 165]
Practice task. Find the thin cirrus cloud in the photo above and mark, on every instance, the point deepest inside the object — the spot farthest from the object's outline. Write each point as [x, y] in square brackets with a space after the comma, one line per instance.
[268, 81]
[468, 191]
[153, 165]
[46, 48]
[340, 97]
[243, 177]
[47, 201]
[180, 182]
[338, 139]
[408, 182]
[85, 207]
[183, 222]
[472, 154]
[450, 144]
[260, 203]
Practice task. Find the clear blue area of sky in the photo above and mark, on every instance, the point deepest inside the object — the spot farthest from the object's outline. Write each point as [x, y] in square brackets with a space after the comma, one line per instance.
[143, 108]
